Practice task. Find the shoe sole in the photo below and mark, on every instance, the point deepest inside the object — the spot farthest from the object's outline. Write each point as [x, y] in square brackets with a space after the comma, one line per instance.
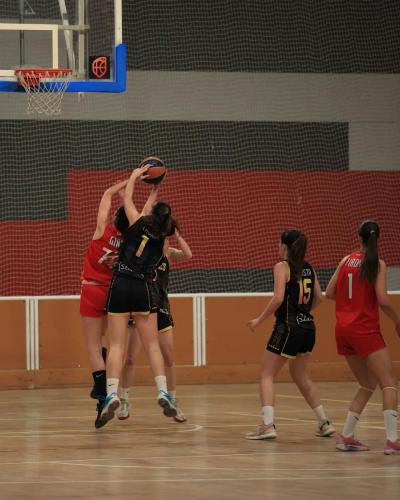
[346, 447]
[391, 452]
[123, 418]
[259, 438]
[180, 420]
[109, 415]
[328, 434]
[168, 410]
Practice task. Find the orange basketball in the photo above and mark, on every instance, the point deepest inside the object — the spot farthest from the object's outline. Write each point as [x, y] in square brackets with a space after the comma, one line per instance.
[156, 172]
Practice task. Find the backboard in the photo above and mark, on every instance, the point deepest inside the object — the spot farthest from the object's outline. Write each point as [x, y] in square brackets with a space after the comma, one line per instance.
[83, 35]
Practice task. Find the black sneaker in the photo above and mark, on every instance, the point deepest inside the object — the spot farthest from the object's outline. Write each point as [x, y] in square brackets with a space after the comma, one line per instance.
[97, 422]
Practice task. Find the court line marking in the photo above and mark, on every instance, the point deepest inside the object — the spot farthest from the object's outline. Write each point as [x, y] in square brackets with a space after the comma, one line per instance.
[205, 480]
[263, 469]
[202, 456]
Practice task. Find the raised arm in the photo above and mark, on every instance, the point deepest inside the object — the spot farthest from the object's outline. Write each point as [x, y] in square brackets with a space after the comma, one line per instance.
[150, 201]
[383, 297]
[280, 279]
[330, 292]
[105, 207]
[130, 209]
[182, 253]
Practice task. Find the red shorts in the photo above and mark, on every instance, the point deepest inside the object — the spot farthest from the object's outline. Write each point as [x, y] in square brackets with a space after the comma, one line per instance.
[93, 300]
[359, 345]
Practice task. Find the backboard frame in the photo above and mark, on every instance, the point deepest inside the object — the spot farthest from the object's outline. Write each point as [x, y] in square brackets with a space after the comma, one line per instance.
[117, 82]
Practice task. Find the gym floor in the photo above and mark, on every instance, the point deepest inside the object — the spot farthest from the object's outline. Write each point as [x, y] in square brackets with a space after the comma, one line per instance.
[51, 450]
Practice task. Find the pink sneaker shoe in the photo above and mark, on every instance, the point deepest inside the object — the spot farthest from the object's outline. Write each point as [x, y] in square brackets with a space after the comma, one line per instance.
[392, 447]
[350, 444]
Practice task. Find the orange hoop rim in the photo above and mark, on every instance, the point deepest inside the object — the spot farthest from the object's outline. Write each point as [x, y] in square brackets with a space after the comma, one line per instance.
[31, 77]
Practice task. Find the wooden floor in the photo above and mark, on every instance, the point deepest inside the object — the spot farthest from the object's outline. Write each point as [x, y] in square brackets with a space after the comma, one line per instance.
[51, 450]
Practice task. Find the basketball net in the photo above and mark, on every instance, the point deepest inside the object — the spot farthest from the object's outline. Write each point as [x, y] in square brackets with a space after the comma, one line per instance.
[45, 89]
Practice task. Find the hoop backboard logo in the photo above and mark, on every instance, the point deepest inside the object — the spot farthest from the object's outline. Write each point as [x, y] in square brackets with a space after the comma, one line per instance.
[99, 67]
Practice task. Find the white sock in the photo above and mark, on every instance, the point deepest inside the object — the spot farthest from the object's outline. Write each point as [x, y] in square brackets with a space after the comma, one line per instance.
[124, 393]
[172, 394]
[390, 417]
[161, 383]
[112, 385]
[350, 423]
[267, 413]
[320, 414]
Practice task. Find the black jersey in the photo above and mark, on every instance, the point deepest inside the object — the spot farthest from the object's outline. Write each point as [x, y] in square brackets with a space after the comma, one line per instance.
[140, 251]
[295, 309]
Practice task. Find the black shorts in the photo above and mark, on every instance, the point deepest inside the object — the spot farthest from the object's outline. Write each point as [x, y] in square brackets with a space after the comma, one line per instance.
[290, 341]
[132, 295]
[164, 320]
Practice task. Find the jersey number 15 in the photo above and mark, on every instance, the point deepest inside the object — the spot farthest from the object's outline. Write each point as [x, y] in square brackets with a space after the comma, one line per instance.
[304, 291]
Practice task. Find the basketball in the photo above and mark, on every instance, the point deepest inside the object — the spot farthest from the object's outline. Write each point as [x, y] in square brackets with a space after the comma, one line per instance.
[156, 172]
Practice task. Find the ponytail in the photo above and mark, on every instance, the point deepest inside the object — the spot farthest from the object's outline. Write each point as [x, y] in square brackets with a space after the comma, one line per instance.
[296, 242]
[369, 234]
[161, 221]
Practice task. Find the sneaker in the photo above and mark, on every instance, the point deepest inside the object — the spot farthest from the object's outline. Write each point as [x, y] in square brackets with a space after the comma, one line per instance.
[111, 403]
[263, 432]
[350, 444]
[165, 401]
[179, 417]
[326, 429]
[99, 408]
[93, 393]
[392, 447]
[123, 411]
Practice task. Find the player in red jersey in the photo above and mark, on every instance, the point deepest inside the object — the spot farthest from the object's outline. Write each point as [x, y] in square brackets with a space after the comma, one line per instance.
[96, 277]
[359, 287]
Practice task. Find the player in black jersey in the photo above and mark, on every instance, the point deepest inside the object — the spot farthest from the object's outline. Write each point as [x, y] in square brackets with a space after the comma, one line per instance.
[296, 293]
[165, 330]
[133, 291]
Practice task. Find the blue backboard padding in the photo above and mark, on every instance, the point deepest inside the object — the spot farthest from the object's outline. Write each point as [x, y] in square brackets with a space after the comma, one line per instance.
[117, 85]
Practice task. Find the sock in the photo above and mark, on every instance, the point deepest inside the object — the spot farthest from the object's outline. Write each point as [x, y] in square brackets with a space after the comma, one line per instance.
[100, 382]
[161, 383]
[112, 386]
[390, 417]
[350, 423]
[104, 354]
[124, 393]
[267, 413]
[172, 394]
[320, 414]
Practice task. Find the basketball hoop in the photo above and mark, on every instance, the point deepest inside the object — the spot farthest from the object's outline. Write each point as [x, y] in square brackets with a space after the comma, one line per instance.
[45, 88]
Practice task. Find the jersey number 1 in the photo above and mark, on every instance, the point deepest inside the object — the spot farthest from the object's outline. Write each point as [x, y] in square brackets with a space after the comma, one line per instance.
[139, 251]
[350, 276]
[304, 291]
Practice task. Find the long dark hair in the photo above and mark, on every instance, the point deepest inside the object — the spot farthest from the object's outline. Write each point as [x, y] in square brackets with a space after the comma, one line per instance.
[296, 242]
[121, 221]
[369, 234]
[161, 221]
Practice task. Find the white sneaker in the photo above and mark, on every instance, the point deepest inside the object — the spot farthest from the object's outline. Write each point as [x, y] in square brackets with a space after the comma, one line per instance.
[165, 401]
[179, 417]
[263, 432]
[326, 429]
[123, 411]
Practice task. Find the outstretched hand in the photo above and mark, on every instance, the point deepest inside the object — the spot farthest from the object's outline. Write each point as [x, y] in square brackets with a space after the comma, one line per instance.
[140, 172]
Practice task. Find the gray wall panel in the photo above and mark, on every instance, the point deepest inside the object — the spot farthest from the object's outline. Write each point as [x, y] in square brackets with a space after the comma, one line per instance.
[195, 96]
[374, 146]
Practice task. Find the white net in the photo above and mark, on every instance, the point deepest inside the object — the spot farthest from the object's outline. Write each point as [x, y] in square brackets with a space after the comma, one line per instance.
[269, 115]
[44, 88]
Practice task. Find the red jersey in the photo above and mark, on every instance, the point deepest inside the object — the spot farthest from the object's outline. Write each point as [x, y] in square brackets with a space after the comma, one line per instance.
[94, 266]
[357, 309]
